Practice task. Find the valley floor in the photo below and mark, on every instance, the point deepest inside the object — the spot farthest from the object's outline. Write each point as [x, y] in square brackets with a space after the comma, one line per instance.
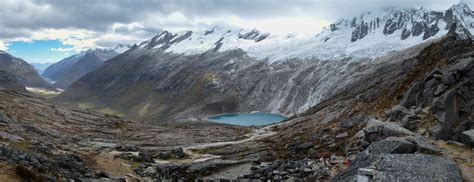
[36, 127]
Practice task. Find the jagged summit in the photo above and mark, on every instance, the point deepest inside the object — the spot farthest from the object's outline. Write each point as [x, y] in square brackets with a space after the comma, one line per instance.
[369, 35]
[213, 38]
[459, 31]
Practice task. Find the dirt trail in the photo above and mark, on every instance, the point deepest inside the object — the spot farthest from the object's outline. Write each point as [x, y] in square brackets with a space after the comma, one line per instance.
[194, 157]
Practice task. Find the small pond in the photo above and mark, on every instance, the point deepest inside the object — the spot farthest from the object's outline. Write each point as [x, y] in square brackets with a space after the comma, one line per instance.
[248, 119]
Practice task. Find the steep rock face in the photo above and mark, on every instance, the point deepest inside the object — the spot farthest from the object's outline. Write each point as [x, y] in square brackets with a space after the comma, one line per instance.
[370, 97]
[165, 86]
[406, 23]
[449, 96]
[25, 73]
[341, 124]
[70, 69]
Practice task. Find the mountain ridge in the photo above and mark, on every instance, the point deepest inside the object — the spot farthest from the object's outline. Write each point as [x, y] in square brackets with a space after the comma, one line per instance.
[343, 39]
[23, 71]
[158, 80]
[70, 69]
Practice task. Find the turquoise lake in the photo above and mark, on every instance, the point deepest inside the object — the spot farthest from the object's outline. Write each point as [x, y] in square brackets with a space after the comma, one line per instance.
[248, 119]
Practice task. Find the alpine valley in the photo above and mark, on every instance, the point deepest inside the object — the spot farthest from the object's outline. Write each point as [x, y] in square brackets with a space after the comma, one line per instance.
[383, 96]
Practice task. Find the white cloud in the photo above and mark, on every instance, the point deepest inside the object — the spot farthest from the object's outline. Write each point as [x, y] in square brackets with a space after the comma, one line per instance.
[81, 25]
[3, 46]
[60, 49]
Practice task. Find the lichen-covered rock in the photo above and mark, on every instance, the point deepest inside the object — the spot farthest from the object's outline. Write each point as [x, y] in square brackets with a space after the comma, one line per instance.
[400, 159]
[378, 130]
[403, 167]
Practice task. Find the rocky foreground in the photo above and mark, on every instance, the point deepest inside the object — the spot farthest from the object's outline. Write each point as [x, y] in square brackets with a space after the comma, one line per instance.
[40, 140]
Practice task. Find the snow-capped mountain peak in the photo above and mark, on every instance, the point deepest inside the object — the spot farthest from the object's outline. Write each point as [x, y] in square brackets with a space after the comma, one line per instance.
[369, 35]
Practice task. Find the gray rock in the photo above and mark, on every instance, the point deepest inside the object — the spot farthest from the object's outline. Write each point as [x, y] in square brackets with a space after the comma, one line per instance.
[450, 78]
[391, 145]
[447, 108]
[403, 145]
[4, 118]
[398, 159]
[411, 97]
[342, 135]
[464, 66]
[409, 121]
[150, 170]
[467, 137]
[178, 153]
[423, 146]
[402, 167]
[11, 137]
[378, 130]
[440, 89]
[360, 32]
[352, 121]
[304, 146]
[428, 92]
[398, 112]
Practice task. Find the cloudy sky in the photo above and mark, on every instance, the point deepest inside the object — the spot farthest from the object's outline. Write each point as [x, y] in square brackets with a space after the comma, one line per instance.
[49, 30]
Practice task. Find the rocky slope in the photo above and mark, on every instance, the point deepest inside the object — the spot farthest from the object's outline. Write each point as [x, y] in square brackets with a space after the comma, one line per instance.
[10, 81]
[227, 69]
[384, 127]
[25, 73]
[415, 98]
[70, 69]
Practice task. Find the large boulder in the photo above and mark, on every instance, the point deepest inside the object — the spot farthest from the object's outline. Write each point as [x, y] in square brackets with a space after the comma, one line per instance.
[403, 167]
[401, 159]
[377, 130]
[447, 108]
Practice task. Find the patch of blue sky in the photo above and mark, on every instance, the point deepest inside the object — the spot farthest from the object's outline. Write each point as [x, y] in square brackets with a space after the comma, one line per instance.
[39, 51]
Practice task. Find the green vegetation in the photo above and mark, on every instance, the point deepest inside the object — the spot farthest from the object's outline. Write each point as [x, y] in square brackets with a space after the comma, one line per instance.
[86, 105]
[134, 165]
[23, 145]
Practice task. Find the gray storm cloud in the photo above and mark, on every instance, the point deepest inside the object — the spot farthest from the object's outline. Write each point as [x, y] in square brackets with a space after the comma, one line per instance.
[26, 16]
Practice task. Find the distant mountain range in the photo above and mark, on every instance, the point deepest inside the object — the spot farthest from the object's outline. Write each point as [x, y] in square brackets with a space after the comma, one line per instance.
[70, 69]
[40, 67]
[227, 69]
